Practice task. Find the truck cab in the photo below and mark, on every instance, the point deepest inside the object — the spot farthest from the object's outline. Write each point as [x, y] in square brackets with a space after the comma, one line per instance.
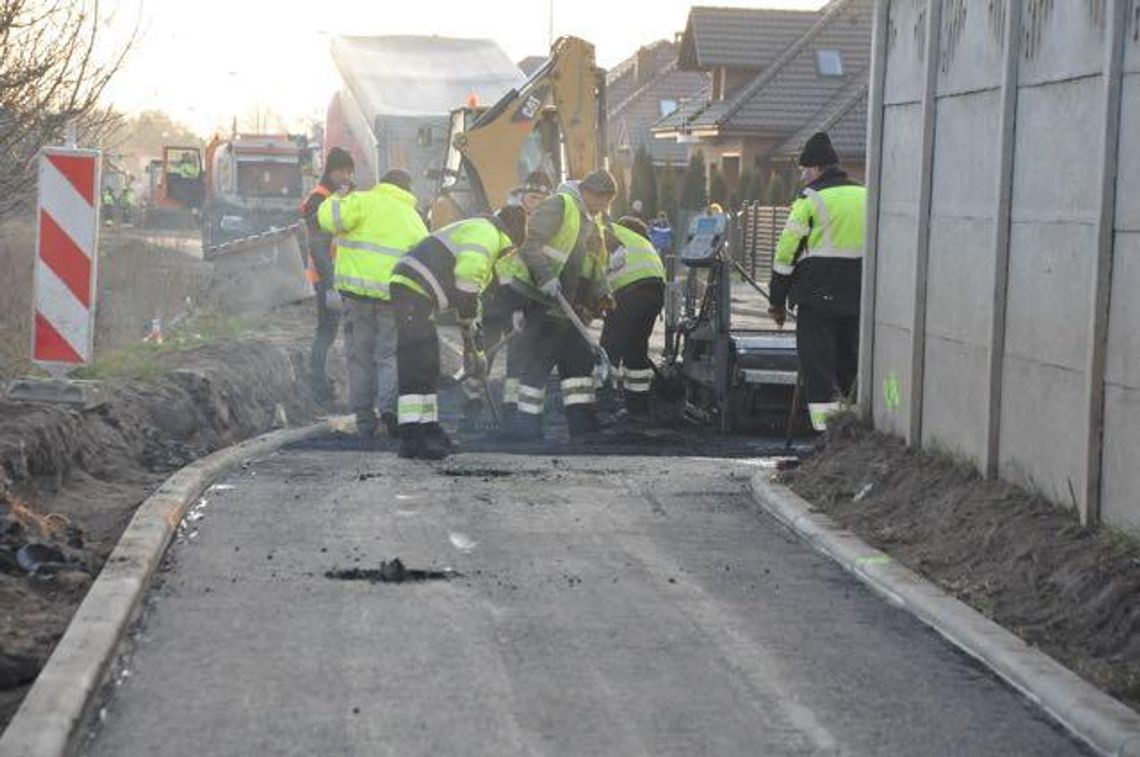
[255, 184]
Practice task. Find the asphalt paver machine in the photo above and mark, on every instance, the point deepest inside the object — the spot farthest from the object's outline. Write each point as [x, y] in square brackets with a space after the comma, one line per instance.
[735, 378]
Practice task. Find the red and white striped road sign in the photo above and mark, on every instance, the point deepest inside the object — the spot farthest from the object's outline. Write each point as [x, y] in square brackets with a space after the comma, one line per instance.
[67, 226]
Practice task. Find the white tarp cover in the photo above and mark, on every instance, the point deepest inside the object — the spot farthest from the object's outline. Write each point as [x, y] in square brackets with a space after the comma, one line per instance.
[422, 76]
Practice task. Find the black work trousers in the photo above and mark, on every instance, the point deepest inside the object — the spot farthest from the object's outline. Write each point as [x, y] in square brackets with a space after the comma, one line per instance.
[417, 356]
[625, 338]
[828, 347]
[328, 324]
[549, 342]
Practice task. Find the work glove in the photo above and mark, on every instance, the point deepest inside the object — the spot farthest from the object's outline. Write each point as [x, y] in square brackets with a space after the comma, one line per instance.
[606, 305]
[518, 320]
[778, 314]
[552, 288]
[475, 362]
[333, 300]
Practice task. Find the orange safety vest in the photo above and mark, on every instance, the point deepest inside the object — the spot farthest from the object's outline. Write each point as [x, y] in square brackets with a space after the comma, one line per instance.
[311, 274]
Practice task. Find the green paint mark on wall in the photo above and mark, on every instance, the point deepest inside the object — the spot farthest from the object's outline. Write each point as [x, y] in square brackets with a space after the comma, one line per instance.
[892, 397]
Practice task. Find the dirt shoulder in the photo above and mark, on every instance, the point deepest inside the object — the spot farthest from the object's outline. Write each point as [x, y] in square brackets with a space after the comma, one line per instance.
[71, 479]
[1025, 563]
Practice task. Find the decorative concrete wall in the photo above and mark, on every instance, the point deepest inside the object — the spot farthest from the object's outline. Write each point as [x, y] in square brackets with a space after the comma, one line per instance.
[1002, 281]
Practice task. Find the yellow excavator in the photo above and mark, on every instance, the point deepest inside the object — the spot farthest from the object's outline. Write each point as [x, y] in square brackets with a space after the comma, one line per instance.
[554, 123]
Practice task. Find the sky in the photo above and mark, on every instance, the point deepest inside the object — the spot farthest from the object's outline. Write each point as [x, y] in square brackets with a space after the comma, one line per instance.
[207, 62]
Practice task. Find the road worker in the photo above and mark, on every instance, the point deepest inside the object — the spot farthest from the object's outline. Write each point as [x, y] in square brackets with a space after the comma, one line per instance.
[374, 228]
[109, 204]
[503, 309]
[819, 265]
[563, 255]
[187, 166]
[446, 271]
[637, 279]
[337, 178]
[127, 204]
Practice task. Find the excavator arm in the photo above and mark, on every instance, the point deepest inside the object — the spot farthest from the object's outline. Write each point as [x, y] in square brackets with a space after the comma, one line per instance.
[571, 82]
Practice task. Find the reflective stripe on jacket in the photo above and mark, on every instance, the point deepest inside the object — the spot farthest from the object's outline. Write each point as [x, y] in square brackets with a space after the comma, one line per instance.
[819, 257]
[832, 219]
[556, 235]
[635, 260]
[454, 265]
[374, 229]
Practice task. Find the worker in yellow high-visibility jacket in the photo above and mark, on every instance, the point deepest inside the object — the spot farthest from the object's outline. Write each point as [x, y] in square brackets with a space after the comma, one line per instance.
[373, 228]
[819, 265]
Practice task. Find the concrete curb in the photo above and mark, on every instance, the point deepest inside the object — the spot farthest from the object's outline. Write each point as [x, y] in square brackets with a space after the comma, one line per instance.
[54, 711]
[1105, 724]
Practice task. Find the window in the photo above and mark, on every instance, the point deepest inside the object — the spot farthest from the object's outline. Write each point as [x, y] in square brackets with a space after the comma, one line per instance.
[829, 63]
[667, 107]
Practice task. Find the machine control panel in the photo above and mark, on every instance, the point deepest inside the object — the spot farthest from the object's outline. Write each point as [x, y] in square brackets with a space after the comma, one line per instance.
[706, 237]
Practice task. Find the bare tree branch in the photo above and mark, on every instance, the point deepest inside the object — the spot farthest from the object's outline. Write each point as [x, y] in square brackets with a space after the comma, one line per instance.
[49, 77]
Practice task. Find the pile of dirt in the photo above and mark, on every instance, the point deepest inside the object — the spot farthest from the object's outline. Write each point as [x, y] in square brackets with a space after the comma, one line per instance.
[1022, 561]
[70, 479]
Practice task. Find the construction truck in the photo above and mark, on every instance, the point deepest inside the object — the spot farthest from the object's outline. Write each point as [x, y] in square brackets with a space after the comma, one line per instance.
[554, 122]
[245, 184]
[396, 88]
[173, 197]
[253, 183]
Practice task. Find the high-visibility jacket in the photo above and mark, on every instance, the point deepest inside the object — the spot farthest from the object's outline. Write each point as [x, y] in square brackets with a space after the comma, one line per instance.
[374, 229]
[454, 265]
[636, 259]
[819, 257]
[562, 242]
[107, 197]
[321, 249]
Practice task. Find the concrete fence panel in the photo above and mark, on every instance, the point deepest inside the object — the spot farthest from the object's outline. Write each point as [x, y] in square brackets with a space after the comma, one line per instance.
[961, 262]
[1121, 485]
[1012, 295]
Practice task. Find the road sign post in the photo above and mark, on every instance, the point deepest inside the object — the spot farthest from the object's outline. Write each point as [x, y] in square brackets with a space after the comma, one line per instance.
[67, 235]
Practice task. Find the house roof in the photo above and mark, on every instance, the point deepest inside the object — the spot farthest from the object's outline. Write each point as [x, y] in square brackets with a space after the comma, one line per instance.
[634, 99]
[790, 95]
[844, 120]
[739, 37]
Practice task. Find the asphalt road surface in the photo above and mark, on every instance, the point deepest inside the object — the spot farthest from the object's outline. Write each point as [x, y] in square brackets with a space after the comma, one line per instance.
[603, 605]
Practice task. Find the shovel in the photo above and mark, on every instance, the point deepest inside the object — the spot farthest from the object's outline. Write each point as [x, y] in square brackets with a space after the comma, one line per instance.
[461, 375]
[604, 369]
[481, 379]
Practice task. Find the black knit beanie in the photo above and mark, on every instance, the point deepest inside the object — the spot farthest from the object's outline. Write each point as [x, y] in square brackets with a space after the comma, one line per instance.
[818, 151]
[338, 159]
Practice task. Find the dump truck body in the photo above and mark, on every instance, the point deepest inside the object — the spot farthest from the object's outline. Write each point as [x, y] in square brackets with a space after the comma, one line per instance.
[395, 87]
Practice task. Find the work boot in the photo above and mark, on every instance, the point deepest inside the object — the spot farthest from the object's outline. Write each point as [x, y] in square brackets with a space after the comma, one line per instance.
[435, 432]
[581, 421]
[411, 440]
[638, 405]
[391, 425]
[436, 445]
[417, 443]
